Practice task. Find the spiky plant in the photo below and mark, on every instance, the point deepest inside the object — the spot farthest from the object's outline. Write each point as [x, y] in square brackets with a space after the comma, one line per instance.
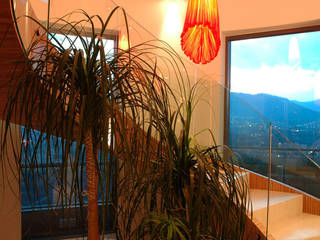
[180, 188]
[113, 117]
[73, 98]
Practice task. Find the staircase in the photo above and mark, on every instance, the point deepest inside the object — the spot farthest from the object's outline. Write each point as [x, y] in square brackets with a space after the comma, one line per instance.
[287, 221]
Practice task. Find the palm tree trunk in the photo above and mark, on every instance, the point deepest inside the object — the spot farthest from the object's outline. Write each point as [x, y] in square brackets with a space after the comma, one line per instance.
[92, 185]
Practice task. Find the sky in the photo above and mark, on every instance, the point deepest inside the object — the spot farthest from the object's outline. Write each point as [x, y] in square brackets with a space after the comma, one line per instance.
[108, 43]
[287, 66]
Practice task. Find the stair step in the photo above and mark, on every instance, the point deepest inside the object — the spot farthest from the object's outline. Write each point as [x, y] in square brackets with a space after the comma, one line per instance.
[282, 205]
[302, 226]
[286, 219]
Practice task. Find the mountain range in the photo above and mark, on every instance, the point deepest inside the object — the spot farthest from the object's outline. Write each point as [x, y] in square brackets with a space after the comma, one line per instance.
[313, 105]
[250, 116]
[280, 111]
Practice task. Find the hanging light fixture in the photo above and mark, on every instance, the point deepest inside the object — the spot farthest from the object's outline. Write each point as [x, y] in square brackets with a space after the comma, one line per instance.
[200, 38]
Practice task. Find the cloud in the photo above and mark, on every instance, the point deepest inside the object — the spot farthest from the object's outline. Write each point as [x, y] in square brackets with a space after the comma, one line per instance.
[285, 81]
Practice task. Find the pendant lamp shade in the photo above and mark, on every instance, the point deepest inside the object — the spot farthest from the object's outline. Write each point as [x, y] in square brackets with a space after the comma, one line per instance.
[200, 38]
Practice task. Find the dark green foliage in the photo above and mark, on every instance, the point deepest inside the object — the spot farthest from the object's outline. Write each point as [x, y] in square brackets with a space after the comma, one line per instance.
[164, 185]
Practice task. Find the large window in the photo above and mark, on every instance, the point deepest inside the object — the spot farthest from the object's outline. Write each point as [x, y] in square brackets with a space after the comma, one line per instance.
[275, 78]
[45, 211]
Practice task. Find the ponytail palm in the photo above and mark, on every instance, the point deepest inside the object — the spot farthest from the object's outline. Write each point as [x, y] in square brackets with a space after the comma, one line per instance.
[116, 115]
[73, 97]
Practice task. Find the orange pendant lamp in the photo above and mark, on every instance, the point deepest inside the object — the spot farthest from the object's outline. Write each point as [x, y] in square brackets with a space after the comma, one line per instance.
[200, 38]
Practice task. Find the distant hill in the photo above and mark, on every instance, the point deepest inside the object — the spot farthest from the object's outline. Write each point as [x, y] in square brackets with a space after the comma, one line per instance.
[314, 105]
[281, 111]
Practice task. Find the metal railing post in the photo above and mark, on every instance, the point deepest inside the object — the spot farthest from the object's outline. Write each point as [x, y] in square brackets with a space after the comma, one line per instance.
[269, 177]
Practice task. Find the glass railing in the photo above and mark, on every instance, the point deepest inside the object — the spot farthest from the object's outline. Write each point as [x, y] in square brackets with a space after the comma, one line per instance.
[292, 162]
[250, 130]
[287, 155]
[29, 30]
[248, 135]
[295, 166]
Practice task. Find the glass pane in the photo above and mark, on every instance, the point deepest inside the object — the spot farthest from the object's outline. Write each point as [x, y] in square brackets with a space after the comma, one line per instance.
[293, 166]
[276, 79]
[45, 183]
[70, 41]
[249, 135]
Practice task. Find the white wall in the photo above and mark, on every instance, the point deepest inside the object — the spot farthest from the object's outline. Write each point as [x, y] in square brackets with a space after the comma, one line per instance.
[250, 14]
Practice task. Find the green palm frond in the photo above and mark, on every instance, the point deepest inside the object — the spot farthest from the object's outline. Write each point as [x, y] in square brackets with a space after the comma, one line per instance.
[164, 186]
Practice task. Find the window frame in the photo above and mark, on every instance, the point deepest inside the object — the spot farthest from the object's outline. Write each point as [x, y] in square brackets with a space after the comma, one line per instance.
[32, 223]
[228, 40]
